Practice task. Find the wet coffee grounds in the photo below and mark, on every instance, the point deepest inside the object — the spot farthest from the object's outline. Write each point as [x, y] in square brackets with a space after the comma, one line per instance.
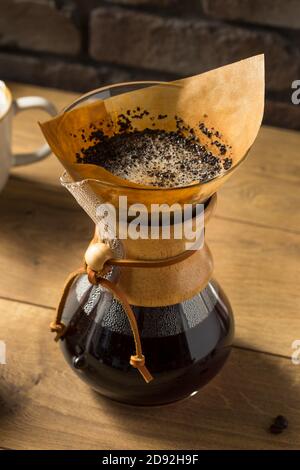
[154, 156]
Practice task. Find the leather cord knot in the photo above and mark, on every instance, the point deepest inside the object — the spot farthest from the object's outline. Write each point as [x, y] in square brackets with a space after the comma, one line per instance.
[92, 276]
[58, 328]
[99, 257]
[138, 360]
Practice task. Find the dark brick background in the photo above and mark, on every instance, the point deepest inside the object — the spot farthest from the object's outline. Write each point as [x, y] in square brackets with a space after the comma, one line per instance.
[83, 44]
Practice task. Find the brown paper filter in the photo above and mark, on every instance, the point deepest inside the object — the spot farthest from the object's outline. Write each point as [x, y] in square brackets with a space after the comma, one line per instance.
[229, 100]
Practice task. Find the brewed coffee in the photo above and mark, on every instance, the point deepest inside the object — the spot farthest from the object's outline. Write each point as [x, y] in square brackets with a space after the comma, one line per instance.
[185, 344]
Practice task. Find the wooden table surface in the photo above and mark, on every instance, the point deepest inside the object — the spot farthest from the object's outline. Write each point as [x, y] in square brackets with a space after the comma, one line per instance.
[254, 238]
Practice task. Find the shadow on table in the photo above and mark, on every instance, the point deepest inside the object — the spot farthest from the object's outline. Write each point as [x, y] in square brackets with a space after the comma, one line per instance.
[235, 410]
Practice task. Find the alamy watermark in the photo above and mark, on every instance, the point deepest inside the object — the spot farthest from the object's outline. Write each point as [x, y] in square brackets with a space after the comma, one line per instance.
[162, 221]
[2, 352]
[296, 353]
[296, 94]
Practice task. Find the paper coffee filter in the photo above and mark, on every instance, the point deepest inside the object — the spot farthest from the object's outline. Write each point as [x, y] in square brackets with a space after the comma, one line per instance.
[229, 99]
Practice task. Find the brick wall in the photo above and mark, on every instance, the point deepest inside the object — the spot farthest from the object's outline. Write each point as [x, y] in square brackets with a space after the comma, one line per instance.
[83, 44]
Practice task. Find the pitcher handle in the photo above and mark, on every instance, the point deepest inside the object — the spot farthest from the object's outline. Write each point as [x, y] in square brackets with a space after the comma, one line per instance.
[23, 104]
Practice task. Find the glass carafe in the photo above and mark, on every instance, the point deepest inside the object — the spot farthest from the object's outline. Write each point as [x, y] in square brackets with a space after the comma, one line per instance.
[185, 344]
[186, 336]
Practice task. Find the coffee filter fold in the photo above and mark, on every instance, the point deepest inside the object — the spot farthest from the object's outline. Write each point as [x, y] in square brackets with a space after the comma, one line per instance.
[229, 100]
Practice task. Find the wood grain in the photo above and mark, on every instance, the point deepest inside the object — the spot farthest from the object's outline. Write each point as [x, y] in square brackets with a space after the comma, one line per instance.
[39, 412]
[43, 236]
[258, 268]
[264, 190]
[254, 238]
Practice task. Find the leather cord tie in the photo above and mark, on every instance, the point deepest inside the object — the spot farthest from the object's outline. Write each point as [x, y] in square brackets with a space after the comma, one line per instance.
[98, 260]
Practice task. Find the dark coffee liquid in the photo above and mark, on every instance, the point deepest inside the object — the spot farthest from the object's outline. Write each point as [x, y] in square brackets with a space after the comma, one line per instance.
[185, 345]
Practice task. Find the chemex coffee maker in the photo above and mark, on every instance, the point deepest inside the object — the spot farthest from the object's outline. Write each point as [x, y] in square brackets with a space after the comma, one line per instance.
[142, 321]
